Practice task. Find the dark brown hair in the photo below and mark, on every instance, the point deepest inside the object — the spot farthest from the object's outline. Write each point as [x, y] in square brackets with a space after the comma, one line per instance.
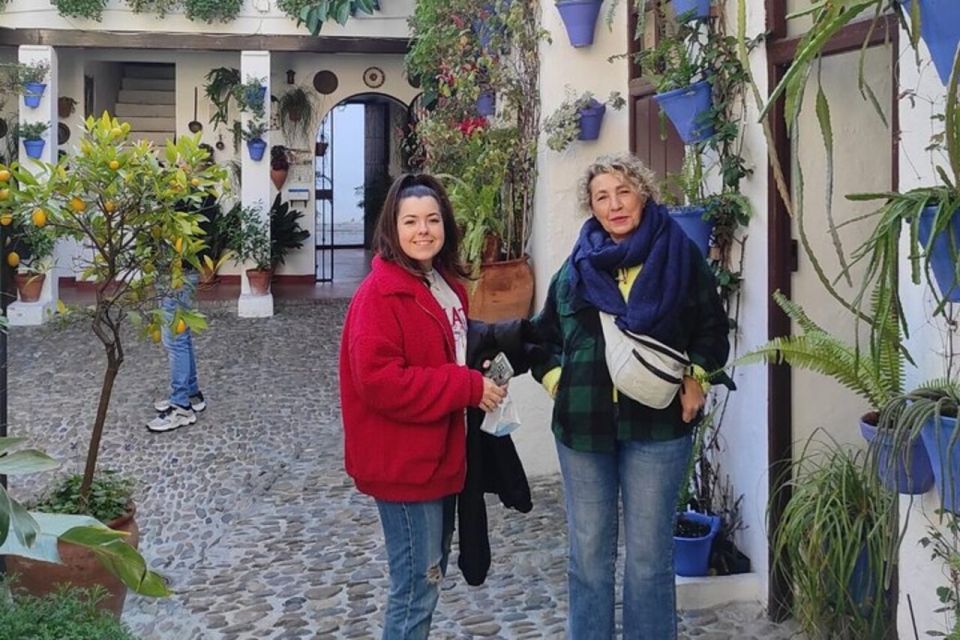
[386, 241]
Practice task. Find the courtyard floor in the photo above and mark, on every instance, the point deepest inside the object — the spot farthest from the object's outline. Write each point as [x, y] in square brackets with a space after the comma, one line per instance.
[249, 513]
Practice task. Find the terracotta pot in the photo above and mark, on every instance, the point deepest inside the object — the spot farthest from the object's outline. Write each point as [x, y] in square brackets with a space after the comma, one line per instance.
[491, 249]
[29, 286]
[279, 176]
[80, 568]
[259, 281]
[503, 292]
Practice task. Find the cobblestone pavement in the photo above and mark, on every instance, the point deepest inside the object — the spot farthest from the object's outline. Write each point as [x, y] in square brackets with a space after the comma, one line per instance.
[249, 513]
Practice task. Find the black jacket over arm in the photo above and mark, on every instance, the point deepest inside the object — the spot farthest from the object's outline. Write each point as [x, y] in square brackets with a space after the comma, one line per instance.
[493, 465]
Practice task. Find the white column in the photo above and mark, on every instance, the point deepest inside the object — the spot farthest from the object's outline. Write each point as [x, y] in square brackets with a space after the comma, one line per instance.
[35, 313]
[255, 179]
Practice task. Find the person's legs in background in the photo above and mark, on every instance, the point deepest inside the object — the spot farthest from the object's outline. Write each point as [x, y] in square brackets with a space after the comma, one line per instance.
[178, 410]
[650, 477]
[590, 496]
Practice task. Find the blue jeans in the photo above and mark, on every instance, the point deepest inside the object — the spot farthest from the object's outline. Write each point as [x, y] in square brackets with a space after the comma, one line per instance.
[183, 361]
[648, 476]
[418, 538]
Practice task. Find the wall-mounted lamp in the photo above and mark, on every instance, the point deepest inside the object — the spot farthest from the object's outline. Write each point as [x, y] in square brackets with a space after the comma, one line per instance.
[290, 76]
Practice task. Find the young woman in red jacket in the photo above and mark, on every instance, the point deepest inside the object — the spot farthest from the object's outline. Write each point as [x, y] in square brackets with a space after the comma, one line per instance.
[404, 387]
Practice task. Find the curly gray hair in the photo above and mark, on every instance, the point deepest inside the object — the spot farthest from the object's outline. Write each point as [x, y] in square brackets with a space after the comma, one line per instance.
[634, 172]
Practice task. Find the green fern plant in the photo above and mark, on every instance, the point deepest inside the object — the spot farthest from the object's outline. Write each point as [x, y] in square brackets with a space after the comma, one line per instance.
[213, 10]
[159, 7]
[876, 378]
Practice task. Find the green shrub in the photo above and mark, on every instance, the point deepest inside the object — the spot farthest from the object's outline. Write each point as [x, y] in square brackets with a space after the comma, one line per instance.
[92, 9]
[110, 495]
[213, 10]
[68, 614]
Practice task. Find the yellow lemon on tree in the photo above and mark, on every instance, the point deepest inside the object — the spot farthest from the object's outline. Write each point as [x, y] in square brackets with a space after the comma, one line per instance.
[114, 165]
[181, 326]
[39, 217]
[4, 194]
[6, 218]
[155, 334]
[178, 245]
[156, 232]
[109, 206]
[13, 259]
[4, 175]
[77, 204]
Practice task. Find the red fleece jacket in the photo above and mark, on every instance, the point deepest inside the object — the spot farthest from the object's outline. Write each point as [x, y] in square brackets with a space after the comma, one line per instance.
[402, 393]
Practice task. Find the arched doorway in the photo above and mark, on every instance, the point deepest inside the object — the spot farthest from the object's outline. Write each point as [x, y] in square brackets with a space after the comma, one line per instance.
[357, 157]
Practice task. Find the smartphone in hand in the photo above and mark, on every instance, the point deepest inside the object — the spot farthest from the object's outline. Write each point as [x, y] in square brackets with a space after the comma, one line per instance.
[500, 370]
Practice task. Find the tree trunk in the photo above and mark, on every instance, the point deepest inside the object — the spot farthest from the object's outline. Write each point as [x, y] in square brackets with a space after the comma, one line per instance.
[113, 367]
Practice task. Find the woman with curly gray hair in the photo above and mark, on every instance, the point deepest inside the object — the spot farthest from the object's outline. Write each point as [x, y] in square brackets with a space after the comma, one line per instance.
[633, 262]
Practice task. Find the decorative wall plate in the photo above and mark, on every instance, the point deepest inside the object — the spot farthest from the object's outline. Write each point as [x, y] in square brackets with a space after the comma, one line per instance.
[373, 77]
[63, 133]
[325, 82]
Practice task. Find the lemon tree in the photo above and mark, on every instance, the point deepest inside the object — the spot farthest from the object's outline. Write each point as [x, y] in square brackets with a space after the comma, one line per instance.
[130, 201]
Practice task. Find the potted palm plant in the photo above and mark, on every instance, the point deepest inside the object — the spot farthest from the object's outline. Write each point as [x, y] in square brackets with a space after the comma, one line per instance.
[124, 200]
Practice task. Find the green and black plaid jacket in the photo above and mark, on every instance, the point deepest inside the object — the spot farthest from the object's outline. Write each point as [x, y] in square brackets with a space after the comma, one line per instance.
[585, 416]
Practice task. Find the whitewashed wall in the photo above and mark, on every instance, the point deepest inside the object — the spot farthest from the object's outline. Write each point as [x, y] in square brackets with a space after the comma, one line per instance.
[256, 17]
[919, 575]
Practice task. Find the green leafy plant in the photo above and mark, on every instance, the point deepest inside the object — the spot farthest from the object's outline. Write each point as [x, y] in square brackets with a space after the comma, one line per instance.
[563, 125]
[313, 13]
[296, 111]
[944, 547]
[248, 237]
[250, 96]
[286, 234]
[677, 60]
[834, 536]
[123, 199]
[67, 613]
[34, 534]
[213, 10]
[109, 499]
[159, 7]
[34, 248]
[31, 130]
[20, 73]
[220, 89]
[91, 9]
[255, 130]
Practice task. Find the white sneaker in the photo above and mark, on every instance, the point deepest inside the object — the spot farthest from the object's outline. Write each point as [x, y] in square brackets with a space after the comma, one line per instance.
[173, 418]
[197, 403]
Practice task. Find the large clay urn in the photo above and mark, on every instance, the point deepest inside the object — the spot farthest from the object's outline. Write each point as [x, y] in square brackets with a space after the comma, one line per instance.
[503, 292]
[80, 568]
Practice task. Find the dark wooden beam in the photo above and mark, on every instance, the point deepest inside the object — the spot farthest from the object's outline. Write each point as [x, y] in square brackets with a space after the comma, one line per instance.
[850, 38]
[200, 41]
[776, 19]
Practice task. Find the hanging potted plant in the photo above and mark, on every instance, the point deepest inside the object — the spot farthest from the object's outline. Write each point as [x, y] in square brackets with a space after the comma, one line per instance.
[249, 241]
[29, 79]
[65, 106]
[279, 164]
[578, 118]
[580, 20]
[296, 111]
[32, 135]
[252, 96]
[253, 133]
[220, 89]
[683, 193]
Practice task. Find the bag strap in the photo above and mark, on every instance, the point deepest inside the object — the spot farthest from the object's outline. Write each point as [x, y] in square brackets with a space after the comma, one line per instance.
[661, 348]
[657, 372]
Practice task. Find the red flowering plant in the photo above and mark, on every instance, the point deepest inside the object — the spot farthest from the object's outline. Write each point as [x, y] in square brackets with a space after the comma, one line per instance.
[462, 49]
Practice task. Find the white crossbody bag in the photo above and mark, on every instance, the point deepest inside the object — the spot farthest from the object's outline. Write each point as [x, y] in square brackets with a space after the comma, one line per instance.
[642, 368]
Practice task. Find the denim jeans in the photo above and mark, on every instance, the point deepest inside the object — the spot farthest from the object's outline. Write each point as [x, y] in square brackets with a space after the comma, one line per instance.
[183, 361]
[647, 475]
[418, 538]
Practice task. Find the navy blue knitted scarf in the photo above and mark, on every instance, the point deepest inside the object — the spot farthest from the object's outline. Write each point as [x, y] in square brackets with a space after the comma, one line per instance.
[655, 300]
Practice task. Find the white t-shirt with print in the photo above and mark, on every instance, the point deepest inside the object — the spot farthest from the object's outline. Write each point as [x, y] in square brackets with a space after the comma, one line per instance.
[451, 306]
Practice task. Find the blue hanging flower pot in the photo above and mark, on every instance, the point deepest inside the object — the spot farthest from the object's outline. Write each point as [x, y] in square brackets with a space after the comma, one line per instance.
[486, 104]
[591, 119]
[697, 229]
[943, 448]
[944, 253]
[256, 147]
[580, 19]
[34, 148]
[32, 92]
[692, 9]
[687, 109]
[940, 30]
[910, 473]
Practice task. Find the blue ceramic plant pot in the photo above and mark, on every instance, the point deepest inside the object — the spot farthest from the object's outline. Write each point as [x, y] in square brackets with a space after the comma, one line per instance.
[940, 30]
[910, 473]
[687, 109]
[691, 556]
[944, 254]
[591, 119]
[256, 147]
[692, 9]
[34, 148]
[487, 104]
[943, 448]
[697, 229]
[33, 91]
[580, 19]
